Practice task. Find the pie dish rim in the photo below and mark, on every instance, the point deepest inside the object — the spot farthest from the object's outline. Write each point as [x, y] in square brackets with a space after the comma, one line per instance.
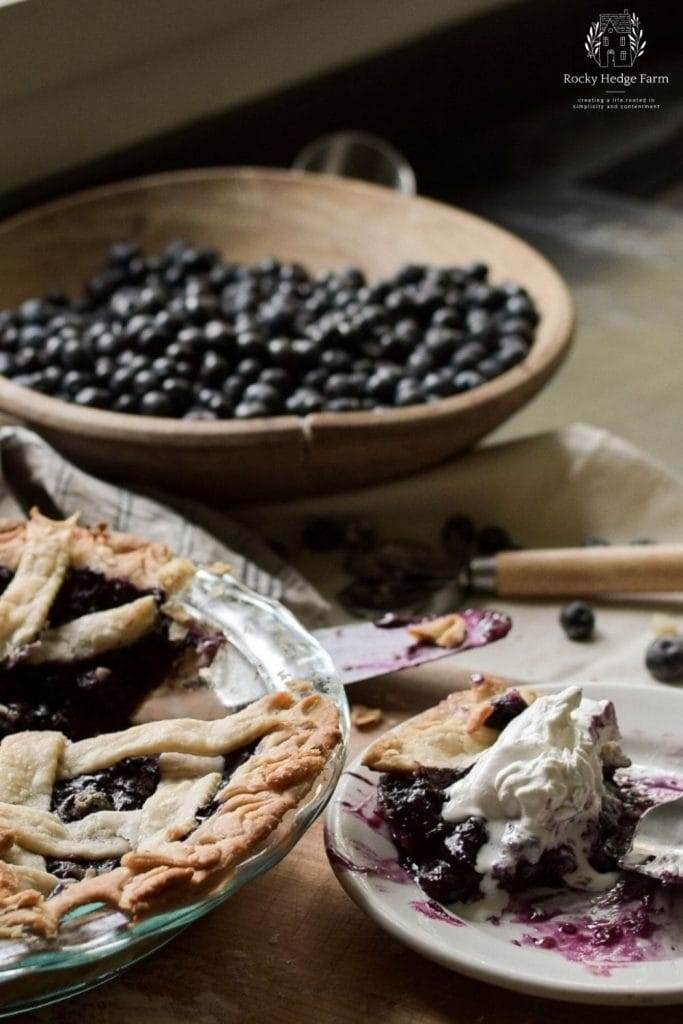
[256, 861]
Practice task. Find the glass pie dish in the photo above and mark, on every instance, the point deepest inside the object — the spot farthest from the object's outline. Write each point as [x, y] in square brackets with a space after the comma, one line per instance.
[267, 651]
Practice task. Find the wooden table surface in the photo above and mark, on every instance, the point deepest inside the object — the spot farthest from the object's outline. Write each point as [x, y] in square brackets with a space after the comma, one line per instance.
[292, 948]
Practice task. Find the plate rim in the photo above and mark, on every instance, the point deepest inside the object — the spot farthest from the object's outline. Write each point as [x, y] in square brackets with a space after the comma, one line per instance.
[588, 992]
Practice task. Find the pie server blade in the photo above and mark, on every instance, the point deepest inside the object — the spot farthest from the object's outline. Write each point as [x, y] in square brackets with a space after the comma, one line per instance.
[657, 845]
[365, 650]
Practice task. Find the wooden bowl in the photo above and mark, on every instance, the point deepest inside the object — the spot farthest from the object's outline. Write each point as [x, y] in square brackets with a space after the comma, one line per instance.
[323, 222]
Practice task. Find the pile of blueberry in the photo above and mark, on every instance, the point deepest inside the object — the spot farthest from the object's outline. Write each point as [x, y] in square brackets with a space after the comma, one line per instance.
[185, 334]
[401, 574]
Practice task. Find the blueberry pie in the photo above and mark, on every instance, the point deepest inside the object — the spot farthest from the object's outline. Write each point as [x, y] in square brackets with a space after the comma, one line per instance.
[496, 790]
[92, 807]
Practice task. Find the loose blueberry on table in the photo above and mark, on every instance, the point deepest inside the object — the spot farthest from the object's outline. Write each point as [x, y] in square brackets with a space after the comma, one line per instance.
[186, 334]
[578, 620]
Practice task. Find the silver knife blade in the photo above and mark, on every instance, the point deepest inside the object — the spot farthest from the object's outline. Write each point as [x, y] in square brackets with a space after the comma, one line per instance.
[365, 650]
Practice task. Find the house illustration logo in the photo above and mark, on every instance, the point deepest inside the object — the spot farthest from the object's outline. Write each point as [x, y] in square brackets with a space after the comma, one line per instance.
[615, 40]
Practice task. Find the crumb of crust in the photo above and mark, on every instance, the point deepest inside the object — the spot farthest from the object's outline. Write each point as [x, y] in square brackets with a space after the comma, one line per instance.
[220, 568]
[446, 631]
[302, 686]
[363, 717]
[663, 625]
[477, 717]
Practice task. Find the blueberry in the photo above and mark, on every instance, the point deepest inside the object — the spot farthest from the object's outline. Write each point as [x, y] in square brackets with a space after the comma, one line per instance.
[578, 620]
[316, 378]
[251, 410]
[75, 356]
[277, 378]
[344, 385]
[121, 380]
[304, 401]
[34, 311]
[408, 392]
[382, 385]
[521, 306]
[94, 398]
[213, 369]
[250, 344]
[420, 362]
[249, 369]
[26, 360]
[144, 381]
[467, 357]
[155, 403]
[7, 367]
[335, 359]
[439, 384]
[104, 370]
[75, 380]
[492, 539]
[108, 344]
[233, 388]
[125, 403]
[458, 534]
[342, 405]
[476, 271]
[264, 394]
[446, 317]
[467, 379]
[664, 659]
[441, 342]
[490, 367]
[221, 406]
[121, 253]
[512, 350]
[179, 391]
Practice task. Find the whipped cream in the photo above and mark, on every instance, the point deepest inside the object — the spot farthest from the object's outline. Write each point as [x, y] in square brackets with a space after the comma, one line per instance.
[540, 787]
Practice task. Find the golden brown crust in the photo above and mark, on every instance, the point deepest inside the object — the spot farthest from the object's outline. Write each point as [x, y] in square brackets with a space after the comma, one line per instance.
[450, 735]
[147, 564]
[297, 738]
[446, 631]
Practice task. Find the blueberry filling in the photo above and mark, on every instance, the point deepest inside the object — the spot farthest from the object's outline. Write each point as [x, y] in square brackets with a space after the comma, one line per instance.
[88, 697]
[100, 695]
[84, 592]
[125, 786]
[231, 762]
[442, 857]
[505, 707]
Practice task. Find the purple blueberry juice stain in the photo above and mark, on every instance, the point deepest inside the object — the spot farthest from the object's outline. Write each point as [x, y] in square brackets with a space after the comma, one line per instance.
[435, 912]
[632, 923]
[368, 863]
[483, 627]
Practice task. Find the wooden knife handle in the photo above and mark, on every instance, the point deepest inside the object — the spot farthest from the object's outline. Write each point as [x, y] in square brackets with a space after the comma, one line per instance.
[590, 570]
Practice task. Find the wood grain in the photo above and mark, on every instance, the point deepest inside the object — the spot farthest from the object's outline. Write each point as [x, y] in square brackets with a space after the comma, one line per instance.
[592, 570]
[323, 222]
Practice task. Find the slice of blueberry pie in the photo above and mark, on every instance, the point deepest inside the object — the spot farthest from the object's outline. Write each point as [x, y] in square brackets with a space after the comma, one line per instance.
[93, 807]
[496, 790]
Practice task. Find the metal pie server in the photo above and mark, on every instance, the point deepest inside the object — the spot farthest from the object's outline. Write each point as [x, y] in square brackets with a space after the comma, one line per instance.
[657, 845]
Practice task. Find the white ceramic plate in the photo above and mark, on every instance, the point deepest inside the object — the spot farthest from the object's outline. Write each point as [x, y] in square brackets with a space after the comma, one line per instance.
[364, 860]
